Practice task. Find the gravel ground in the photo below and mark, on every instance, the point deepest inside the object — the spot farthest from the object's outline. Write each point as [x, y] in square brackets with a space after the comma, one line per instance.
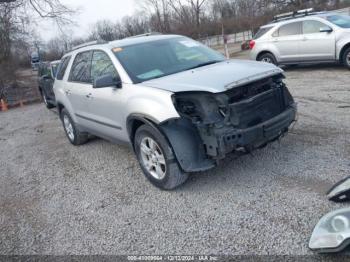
[59, 199]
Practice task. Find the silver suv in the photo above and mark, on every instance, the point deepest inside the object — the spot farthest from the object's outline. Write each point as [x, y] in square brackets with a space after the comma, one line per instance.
[304, 37]
[179, 104]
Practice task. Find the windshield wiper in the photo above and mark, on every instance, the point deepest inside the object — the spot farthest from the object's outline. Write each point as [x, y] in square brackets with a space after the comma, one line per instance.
[204, 64]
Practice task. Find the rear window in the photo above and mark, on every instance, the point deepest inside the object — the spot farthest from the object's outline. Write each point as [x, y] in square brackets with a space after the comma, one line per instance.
[262, 31]
[289, 29]
[62, 68]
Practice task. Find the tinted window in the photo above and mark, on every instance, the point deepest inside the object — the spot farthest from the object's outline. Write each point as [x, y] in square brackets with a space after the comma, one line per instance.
[54, 69]
[312, 27]
[62, 68]
[340, 20]
[290, 29]
[80, 71]
[159, 58]
[102, 65]
[261, 32]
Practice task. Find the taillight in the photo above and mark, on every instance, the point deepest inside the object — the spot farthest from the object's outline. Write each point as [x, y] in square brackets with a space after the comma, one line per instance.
[251, 44]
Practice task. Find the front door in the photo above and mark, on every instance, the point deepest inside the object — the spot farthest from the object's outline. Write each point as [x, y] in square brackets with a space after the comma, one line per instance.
[105, 105]
[317, 45]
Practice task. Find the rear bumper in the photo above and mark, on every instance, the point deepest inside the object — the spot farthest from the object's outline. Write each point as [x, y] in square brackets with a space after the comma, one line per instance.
[225, 140]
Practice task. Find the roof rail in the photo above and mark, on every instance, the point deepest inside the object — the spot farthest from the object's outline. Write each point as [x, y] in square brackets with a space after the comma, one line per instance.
[295, 14]
[146, 34]
[97, 42]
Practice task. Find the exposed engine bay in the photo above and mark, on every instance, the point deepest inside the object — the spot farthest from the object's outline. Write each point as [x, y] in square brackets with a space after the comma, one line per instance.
[244, 117]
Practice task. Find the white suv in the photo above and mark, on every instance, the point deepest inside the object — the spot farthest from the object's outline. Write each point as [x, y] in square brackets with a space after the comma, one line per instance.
[179, 104]
[304, 37]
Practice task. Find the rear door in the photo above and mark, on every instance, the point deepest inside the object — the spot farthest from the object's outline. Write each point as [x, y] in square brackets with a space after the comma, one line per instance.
[79, 85]
[317, 46]
[287, 40]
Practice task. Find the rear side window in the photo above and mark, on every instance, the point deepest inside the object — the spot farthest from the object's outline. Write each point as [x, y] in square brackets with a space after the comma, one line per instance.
[80, 71]
[289, 29]
[62, 68]
[261, 32]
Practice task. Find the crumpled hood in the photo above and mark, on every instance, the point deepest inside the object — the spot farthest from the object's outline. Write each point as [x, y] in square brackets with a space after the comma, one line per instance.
[215, 78]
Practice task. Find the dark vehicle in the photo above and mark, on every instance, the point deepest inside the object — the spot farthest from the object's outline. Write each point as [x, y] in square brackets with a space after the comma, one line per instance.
[47, 75]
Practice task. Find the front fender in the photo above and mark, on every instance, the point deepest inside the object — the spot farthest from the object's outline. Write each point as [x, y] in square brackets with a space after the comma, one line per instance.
[187, 145]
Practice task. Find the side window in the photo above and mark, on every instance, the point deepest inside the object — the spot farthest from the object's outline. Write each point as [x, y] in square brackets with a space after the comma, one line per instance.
[312, 27]
[290, 29]
[102, 65]
[80, 71]
[62, 68]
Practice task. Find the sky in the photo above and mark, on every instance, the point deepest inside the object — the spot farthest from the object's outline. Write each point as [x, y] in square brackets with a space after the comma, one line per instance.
[91, 11]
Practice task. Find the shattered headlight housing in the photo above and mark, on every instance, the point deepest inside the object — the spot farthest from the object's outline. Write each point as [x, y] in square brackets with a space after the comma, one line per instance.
[332, 232]
[200, 107]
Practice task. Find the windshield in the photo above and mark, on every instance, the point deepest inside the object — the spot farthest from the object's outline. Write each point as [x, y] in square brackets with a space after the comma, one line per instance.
[156, 59]
[340, 20]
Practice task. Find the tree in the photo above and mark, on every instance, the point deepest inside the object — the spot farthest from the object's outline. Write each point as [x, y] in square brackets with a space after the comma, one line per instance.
[15, 16]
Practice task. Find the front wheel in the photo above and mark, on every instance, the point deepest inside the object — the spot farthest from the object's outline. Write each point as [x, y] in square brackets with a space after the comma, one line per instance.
[156, 159]
[346, 58]
[267, 58]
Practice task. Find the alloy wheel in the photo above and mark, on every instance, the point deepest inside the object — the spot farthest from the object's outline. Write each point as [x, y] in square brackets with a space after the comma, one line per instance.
[266, 60]
[68, 127]
[153, 158]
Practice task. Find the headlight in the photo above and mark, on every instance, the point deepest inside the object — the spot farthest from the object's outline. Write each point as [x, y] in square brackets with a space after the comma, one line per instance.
[332, 233]
[340, 192]
[199, 106]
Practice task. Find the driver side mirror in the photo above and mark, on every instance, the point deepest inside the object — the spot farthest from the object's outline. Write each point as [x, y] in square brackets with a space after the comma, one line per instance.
[326, 29]
[107, 81]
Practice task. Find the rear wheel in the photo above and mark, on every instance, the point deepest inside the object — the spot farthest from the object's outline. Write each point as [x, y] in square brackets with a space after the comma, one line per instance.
[156, 159]
[267, 58]
[73, 134]
[346, 58]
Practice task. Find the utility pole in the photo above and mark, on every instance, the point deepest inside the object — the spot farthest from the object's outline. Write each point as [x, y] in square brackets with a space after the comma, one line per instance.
[224, 37]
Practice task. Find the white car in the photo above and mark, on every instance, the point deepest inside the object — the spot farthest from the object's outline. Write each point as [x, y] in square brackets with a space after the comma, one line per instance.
[304, 37]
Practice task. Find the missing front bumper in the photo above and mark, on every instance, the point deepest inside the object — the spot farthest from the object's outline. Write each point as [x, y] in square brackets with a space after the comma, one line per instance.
[219, 141]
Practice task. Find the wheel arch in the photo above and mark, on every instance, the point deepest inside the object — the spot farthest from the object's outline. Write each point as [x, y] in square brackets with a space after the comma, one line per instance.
[342, 51]
[263, 53]
[183, 138]
[60, 107]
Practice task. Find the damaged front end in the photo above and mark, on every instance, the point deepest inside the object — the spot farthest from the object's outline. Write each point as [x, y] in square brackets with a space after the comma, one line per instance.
[243, 118]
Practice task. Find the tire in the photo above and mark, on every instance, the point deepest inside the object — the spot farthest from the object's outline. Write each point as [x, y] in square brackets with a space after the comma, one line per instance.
[267, 58]
[159, 157]
[73, 134]
[346, 58]
[46, 102]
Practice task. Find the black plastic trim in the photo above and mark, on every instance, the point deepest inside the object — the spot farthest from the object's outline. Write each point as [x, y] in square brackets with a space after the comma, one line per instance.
[99, 122]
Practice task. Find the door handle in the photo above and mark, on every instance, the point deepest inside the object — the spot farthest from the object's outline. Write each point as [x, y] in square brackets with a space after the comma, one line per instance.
[89, 95]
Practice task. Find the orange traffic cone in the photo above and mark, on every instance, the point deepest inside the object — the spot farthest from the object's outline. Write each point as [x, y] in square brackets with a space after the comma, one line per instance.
[4, 106]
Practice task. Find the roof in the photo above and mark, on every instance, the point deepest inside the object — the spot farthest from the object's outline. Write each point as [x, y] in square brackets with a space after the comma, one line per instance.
[139, 40]
[301, 18]
[122, 43]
